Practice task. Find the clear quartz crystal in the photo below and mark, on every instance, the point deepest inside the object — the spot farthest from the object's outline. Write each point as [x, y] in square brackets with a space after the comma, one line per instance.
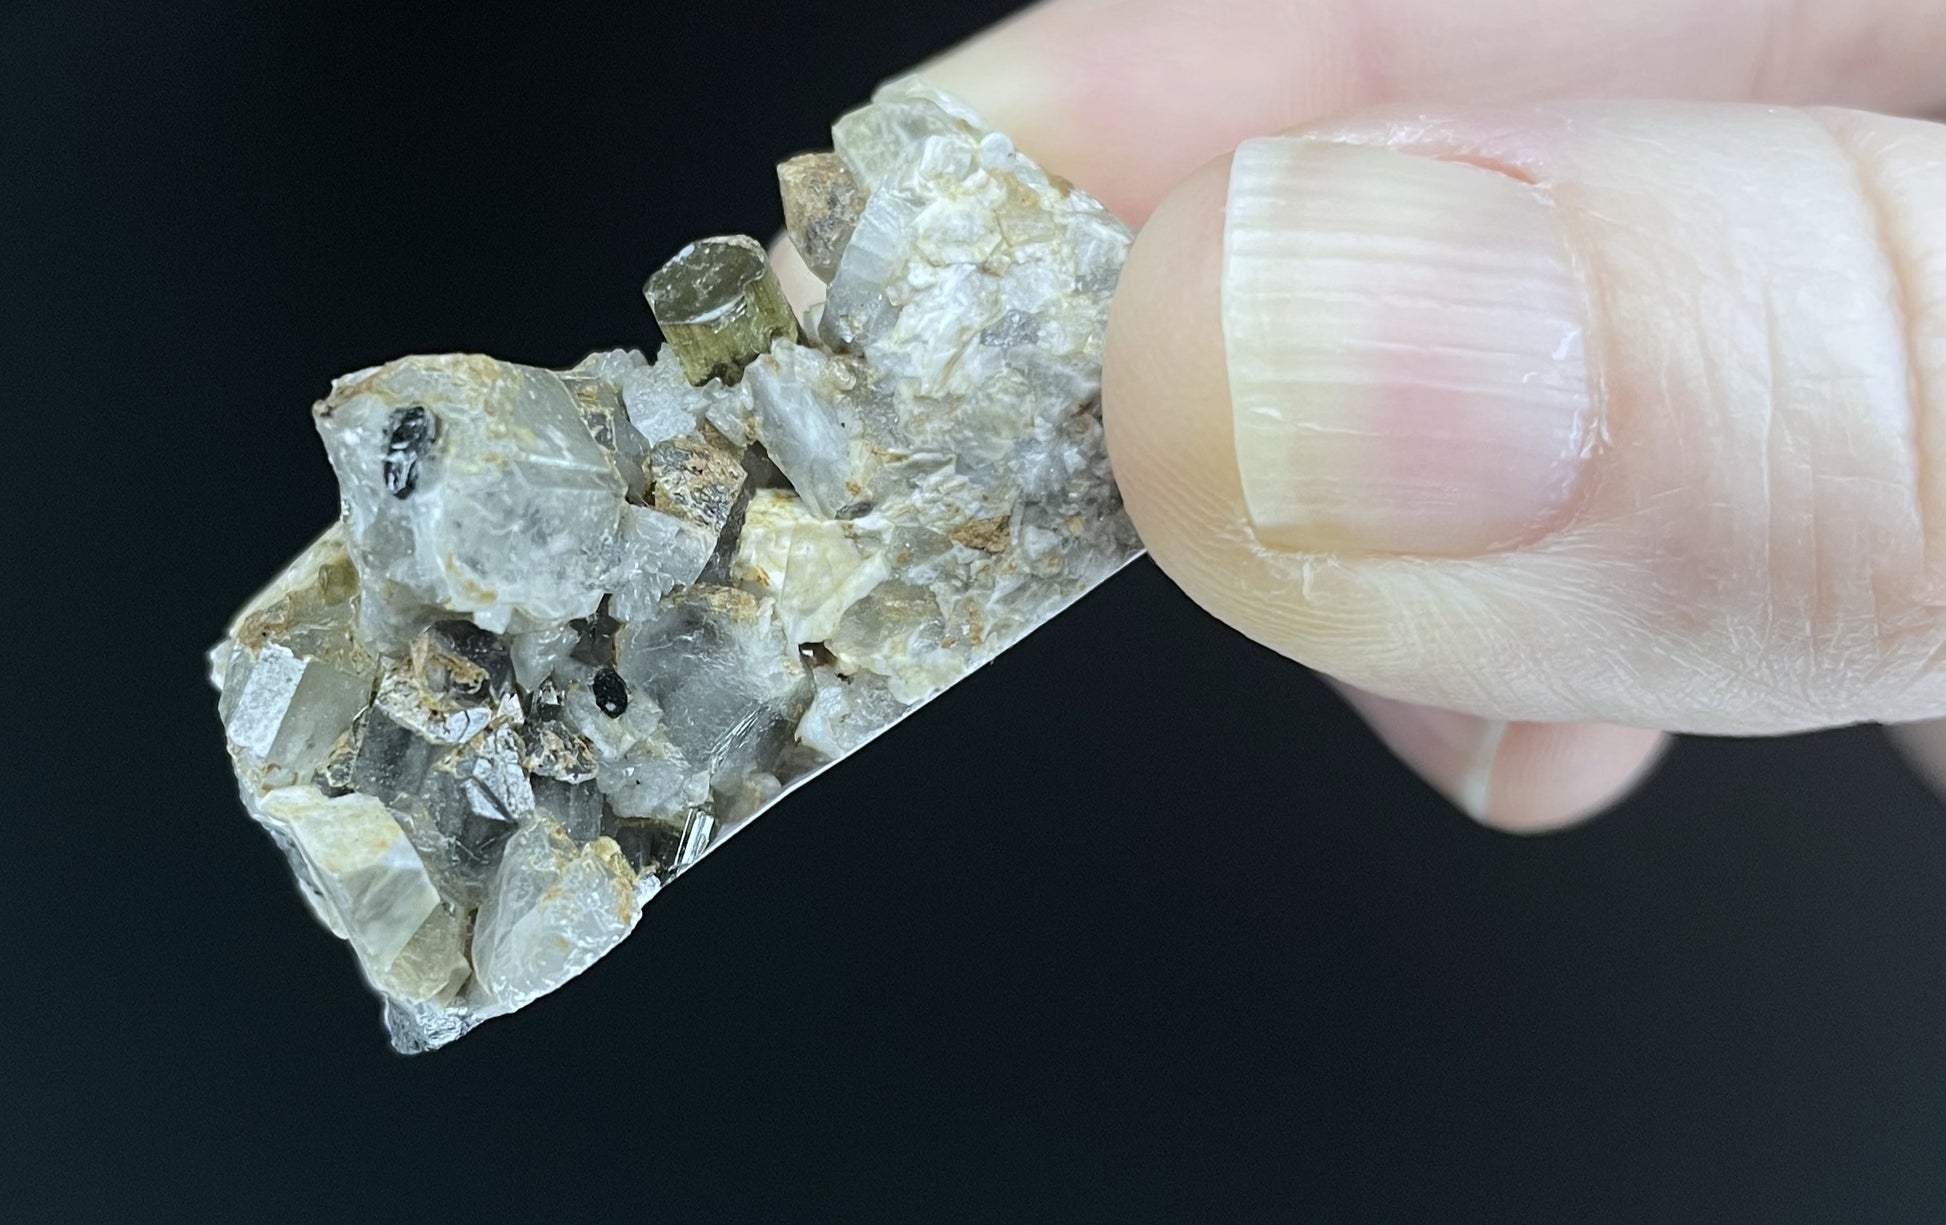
[573, 629]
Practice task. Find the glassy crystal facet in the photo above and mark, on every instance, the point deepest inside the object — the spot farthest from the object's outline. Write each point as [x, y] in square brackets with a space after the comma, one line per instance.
[720, 305]
[574, 628]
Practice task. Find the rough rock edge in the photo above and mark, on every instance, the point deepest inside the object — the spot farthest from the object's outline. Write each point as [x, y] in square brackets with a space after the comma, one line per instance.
[424, 1026]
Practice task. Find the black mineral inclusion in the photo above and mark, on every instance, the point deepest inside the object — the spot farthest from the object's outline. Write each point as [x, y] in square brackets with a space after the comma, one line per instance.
[407, 439]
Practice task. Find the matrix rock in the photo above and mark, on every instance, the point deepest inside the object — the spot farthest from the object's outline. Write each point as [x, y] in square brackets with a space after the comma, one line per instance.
[573, 628]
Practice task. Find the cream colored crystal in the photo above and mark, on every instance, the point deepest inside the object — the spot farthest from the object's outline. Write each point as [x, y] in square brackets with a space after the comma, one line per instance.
[814, 568]
[363, 866]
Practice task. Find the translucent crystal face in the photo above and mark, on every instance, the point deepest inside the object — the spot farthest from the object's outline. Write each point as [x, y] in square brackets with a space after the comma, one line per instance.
[720, 305]
[711, 276]
[575, 627]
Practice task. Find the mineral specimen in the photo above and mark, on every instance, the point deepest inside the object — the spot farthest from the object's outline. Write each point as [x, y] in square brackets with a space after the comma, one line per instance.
[574, 628]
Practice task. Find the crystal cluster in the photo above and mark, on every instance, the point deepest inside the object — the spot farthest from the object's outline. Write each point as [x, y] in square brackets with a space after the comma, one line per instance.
[573, 628]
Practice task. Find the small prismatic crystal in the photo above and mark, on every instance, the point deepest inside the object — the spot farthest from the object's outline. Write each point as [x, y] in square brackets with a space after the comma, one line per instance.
[720, 306]
[574, 628]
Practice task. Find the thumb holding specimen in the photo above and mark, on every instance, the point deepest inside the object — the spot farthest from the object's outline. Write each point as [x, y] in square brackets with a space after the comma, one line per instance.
[1628, 412]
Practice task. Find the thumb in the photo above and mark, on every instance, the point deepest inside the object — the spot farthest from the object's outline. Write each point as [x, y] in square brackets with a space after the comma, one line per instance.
[1606, 411]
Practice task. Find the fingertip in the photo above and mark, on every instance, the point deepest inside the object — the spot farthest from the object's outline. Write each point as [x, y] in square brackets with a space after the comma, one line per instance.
[1058, 78]
[801, 286]
[1165, 389]
[1549, 776]
[1003, 73]
[1518, 778]
[1923, 745]
[1171, 435]
[1453, 752]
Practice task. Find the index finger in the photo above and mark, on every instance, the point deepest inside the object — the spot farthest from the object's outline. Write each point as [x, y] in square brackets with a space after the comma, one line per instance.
[1126, 97]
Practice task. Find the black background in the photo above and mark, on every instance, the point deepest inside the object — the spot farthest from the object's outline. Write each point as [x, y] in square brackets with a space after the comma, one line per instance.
[1137, 924]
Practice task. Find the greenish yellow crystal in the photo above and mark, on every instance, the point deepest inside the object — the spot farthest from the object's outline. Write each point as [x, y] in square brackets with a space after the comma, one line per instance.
[719, 305]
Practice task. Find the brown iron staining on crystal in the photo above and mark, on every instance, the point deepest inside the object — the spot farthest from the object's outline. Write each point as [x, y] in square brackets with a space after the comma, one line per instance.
[822, 202]
[986, 535]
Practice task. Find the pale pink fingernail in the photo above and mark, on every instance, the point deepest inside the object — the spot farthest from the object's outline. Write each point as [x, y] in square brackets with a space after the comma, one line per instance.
[1406, 350]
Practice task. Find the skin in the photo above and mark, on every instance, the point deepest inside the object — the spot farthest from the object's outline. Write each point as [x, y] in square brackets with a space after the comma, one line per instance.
[1743, 538]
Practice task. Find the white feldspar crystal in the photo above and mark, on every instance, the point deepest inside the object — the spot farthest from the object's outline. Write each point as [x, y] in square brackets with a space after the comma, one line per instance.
[363, 866]
[811, 427]
[575, 628]
[815, 568]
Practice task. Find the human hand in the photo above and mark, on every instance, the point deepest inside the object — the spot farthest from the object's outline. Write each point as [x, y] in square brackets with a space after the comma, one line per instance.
[1539, 423]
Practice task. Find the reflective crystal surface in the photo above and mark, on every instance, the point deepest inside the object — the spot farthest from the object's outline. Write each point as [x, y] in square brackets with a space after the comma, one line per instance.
[574, 628]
